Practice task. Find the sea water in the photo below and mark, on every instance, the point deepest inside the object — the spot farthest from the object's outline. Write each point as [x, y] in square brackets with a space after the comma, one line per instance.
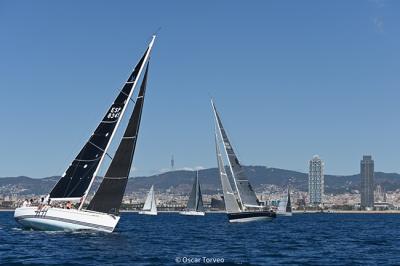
[173, 239]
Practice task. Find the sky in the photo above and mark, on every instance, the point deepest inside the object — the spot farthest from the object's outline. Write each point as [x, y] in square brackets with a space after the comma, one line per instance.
[290, 79]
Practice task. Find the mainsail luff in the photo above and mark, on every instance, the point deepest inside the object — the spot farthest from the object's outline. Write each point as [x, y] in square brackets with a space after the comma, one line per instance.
[108, 197]
[246, 194]
[231, 204]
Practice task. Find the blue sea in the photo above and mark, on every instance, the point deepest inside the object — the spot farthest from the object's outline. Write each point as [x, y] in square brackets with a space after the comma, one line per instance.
[171, 239]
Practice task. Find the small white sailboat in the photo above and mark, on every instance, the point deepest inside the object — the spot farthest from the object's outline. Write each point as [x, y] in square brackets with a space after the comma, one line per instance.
[241, 204]
[102, 214]
[195, 204]
[285, 206]
[150, 206]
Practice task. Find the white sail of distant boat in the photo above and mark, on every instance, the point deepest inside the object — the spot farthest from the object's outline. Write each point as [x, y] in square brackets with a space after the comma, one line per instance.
[195, 203]
[102, 214]
[285, 206]
[150, 207]
[243, 205]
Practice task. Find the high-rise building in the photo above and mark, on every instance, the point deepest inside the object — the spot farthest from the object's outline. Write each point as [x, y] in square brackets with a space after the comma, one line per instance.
[316, 181]
[367, 182]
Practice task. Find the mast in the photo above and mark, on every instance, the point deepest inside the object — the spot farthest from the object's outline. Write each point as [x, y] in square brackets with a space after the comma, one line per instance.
[197, 190]
[109, 195]
[133, 81]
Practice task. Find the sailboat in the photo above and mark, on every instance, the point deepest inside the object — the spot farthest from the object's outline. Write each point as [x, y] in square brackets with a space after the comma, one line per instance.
[241, 203]
[150, 207]
[285, 206]
[195, 203]
[102, 213]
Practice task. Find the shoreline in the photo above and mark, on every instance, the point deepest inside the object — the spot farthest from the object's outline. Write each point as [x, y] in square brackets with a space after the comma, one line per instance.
[294, 212]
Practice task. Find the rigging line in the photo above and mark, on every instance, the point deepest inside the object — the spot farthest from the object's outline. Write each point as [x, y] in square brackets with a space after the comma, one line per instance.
[96, 146]
[127, 96]
[109, 156]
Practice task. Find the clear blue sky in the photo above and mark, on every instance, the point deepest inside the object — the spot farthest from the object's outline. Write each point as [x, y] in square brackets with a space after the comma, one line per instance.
[290, 78]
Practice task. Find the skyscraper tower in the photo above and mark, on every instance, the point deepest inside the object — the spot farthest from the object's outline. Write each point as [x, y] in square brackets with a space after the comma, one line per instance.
[367, 182]
[316, 181]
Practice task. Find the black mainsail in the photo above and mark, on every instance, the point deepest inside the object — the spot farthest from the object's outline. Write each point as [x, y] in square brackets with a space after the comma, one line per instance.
[195, 202]
[78, 178]
[108, 197]
[289, 203]
[246, 194]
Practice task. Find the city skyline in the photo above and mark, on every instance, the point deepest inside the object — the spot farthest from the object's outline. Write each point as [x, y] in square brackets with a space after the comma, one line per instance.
[270, 67]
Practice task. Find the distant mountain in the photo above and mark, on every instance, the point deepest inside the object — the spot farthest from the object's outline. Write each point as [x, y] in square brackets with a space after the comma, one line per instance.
[180, 181]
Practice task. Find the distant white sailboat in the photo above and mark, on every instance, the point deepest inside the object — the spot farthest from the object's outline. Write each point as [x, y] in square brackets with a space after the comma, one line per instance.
[102, 214]
[150, 206]
[195, 204]
[285, 206]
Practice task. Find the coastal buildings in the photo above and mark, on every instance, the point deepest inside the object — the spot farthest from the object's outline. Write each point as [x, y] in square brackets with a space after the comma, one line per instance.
[367, 182]
[316, 181]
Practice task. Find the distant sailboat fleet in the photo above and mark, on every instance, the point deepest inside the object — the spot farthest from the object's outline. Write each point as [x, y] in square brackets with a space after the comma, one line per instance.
[102, 212]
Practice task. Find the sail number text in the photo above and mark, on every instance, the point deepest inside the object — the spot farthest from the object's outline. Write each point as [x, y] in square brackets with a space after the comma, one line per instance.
[114, 112]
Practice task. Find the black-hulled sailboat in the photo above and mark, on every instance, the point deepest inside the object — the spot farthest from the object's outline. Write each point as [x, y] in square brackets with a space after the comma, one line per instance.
[194, 205]
[241, 203]
[102, 213]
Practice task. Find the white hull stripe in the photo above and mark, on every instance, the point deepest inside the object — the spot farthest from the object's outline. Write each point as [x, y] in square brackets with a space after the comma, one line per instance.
[108, 228]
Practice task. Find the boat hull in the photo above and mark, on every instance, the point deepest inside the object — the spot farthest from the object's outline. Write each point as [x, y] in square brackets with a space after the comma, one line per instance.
[284, 213]
[57, 219]
[192, 213]
[148, 213]
[240, 217]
